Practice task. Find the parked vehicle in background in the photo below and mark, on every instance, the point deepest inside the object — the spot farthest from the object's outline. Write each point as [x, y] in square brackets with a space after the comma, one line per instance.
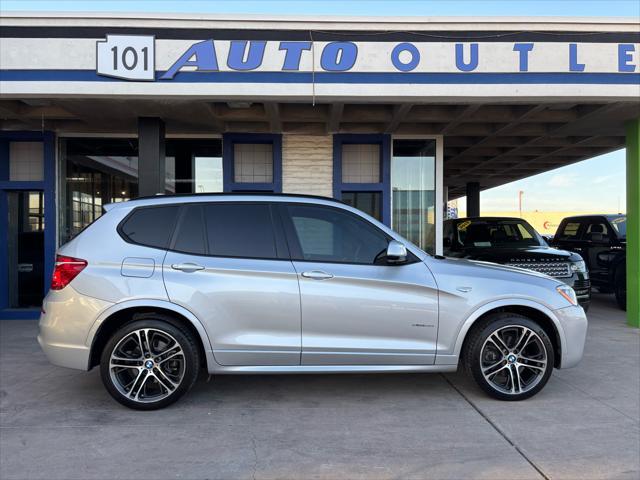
[514, 242]
[159, 287]
[602, 242]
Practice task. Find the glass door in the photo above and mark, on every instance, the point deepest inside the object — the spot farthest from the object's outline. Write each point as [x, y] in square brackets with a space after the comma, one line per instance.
[25, 248]
[413, 186]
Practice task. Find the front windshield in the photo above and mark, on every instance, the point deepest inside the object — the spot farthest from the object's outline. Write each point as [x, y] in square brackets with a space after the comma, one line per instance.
[497, 233]
[620, 226]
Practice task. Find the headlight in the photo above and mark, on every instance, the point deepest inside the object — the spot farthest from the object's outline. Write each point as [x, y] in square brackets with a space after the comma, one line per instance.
[578, 266]
[567, 292]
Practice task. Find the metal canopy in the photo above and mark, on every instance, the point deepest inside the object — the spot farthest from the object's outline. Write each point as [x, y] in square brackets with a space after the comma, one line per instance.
[491, 144]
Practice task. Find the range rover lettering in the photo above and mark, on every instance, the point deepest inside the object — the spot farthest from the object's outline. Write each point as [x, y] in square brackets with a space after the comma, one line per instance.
[159, 288]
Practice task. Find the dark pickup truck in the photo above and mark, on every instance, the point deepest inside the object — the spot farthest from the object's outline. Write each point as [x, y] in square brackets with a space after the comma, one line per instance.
[514, 242]
[602, 241]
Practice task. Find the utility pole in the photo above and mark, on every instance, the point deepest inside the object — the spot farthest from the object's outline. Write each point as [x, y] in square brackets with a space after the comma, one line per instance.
[520, 193]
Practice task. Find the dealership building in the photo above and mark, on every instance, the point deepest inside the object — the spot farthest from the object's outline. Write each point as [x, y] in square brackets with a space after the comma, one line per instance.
[394, 116]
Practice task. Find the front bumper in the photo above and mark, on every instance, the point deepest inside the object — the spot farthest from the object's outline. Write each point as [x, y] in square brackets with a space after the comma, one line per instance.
[64, 325]
[574, 325]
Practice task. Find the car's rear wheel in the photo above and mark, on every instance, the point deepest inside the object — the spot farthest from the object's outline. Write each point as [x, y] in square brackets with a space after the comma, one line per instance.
[620, 287]
[509, 356]
[149, 364]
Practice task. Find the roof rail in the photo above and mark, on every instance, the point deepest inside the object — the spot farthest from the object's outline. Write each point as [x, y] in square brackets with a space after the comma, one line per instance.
[226, 194]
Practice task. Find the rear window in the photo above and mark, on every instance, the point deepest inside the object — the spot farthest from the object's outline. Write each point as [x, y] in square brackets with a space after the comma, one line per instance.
[240, 230]
[150, 226]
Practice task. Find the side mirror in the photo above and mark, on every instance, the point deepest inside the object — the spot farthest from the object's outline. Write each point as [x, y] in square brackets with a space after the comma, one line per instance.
[396, 252]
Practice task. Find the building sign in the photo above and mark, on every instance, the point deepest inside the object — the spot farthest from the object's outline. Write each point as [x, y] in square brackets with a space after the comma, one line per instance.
[291, 64]
[134, 57]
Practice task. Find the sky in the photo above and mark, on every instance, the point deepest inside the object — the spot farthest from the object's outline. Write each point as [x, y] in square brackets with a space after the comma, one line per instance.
[596, 185]
[626, 8]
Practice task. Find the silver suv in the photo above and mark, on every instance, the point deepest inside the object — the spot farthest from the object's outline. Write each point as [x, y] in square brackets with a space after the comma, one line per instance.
[158, 288]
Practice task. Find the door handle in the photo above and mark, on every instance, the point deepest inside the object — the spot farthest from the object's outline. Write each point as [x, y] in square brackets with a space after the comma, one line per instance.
[317, 275]
[187, 267]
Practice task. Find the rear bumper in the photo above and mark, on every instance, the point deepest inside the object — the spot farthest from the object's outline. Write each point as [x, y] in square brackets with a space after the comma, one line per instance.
[574, 325]
[70, 356]
[64, 327]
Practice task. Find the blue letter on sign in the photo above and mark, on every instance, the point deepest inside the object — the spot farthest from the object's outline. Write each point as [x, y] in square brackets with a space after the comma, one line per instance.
[473, 62]
[236, 60]
[338, 56]
[411, 64]
[574, 66]
[524, 49]
[624, 57]
[294, 52]
[205, 59]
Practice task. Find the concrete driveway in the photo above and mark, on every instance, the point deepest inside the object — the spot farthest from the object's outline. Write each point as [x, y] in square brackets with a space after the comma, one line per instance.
[61, 424]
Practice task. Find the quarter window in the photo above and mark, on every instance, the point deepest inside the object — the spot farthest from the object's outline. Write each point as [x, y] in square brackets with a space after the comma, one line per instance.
[570, 231]
[150, 226]
[240, 230]
[330, 235]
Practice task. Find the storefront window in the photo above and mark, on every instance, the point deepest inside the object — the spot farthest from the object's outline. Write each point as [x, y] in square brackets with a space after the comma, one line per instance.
[253, 162]
[94, 172]
[413, 190]
[193, 165]
[359, 180]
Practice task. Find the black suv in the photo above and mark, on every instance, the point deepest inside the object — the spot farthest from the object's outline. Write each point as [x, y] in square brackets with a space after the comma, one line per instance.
[602, 241]
[514, 242]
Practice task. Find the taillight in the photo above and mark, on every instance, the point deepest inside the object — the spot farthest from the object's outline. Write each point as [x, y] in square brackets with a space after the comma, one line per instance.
[67, 268]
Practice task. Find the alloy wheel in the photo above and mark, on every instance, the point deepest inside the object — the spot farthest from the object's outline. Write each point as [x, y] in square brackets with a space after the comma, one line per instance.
[147, 365]
[513, 359]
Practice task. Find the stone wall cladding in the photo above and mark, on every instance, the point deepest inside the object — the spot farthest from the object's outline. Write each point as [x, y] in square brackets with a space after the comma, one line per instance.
[307, 164]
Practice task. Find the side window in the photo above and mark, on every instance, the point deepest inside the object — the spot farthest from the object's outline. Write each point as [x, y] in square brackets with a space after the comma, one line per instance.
[150, 226]
[240, 230]
[330, 235]
[596, 231]
[570, 231]
[190, 231]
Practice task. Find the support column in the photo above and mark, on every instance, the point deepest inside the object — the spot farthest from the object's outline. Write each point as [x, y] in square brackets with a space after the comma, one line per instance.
[633, 223]
[473, 199]
[151, 156]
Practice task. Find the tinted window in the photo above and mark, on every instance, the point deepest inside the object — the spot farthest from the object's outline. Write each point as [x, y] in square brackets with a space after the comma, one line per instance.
[596, 231]
[240, 230]
[496, 233]
[330, 235]
[190, 234]
[368, 202]
[570, 231]
[150, 226]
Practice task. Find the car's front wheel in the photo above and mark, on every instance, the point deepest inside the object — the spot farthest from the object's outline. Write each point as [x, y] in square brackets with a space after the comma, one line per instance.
[620, 287]
[509, 356]
[149, 364]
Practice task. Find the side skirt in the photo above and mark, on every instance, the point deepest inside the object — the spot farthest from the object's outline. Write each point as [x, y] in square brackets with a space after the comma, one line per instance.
[304, 369]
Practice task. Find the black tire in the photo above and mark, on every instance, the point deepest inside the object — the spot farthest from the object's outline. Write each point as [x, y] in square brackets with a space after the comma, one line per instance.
[188, 361]
[473, 349]
[620, 287]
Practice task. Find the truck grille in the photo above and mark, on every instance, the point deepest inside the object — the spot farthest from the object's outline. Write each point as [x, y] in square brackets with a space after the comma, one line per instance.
[553, 269]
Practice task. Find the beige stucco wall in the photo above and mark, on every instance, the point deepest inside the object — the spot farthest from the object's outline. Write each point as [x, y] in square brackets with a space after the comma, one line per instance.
[307, 164]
